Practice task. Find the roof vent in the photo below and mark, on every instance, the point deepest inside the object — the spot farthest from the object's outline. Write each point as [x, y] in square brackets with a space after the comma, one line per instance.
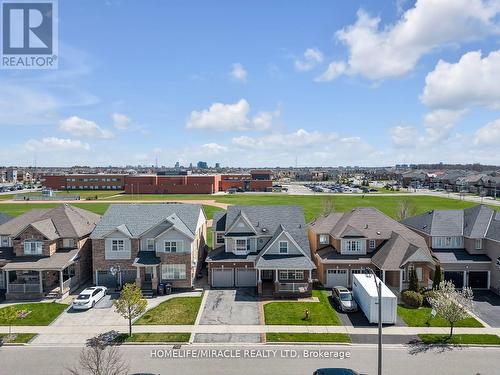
[264, 230]
[257, 224]
[378, 232]
[366, 226]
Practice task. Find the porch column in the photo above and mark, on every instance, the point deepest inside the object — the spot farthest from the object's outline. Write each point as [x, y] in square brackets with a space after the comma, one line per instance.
[61, 282]
[465, 279]
[310, 276]
[40, 280]
[400, 280]
[383, 276]
[7, 275]
[276, 281]
[154, 279]
[138, 276]
[259, 281]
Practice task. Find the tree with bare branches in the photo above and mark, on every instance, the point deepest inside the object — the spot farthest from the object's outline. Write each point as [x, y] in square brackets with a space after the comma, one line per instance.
[405, 209]
[327, 205]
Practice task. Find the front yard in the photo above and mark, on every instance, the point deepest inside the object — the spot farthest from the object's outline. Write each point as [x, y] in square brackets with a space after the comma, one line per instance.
[154, 338]
[421, 317]
[308, 337]
[175, 311]
[38, 314]
[460, 339]
[293, 313]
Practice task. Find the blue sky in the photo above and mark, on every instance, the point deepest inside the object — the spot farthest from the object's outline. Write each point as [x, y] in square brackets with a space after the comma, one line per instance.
[261, 83]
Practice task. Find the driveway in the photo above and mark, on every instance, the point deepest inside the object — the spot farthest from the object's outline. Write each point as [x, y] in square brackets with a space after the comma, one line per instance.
[487, 307]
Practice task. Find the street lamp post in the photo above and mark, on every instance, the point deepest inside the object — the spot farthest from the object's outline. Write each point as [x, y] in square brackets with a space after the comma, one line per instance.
[115, 271]
[379, 292]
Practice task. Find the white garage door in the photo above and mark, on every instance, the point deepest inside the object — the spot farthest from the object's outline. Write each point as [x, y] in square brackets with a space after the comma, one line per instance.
[222, 277]
[246, 277]
[336, 277]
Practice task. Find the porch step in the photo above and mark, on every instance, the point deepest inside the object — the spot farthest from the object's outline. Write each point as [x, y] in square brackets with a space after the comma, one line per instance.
[52, 295]
[147, 293]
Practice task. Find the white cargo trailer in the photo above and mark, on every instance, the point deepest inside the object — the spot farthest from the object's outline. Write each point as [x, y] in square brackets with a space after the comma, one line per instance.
[365, 293]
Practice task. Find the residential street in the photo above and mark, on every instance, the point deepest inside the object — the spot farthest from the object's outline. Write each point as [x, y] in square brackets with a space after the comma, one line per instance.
[443, 361]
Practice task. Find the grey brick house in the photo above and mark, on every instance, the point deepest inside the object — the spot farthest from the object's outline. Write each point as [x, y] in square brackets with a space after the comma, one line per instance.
[264, 247]
[149, 243]
[465, 242]
[46, 252]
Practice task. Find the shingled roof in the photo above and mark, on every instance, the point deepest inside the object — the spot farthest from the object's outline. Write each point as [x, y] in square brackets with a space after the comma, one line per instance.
[4, 218]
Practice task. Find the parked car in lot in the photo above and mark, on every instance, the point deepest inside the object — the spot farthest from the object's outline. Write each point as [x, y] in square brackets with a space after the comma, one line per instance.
[335, 371]
[343, 299]
[89, 297]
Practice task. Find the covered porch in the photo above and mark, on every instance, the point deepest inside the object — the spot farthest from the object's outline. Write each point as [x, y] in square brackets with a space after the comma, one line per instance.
[399, 280]
[146, 265]
[284, 282]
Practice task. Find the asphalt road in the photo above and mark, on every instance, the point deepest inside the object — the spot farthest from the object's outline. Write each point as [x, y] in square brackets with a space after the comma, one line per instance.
[397, 360]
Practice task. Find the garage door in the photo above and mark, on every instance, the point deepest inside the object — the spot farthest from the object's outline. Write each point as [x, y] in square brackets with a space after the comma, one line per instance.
[222, 277]
[246, 277]
[128, 276]
[478, 279]
[457, 277]
[105, 278]
[336, 277]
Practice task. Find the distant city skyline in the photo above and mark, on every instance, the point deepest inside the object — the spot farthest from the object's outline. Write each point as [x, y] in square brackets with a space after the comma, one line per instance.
[261, 84]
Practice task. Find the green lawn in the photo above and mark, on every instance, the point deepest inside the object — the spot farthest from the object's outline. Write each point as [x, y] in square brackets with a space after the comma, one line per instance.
[101, 194]
[292, 313]
[178, 311]
[307, 337]
[40, 314]
[460, 339]
[210, 210]
[422, 318]
[20, 338]
[154, 337]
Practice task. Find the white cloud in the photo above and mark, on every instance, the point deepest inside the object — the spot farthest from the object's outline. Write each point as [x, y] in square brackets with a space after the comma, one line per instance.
[300, 138]
[230, 117]
[403, 136]
[488, 135]
[472, 81]
[334, 69]
[53, 144]
[79, 127]
[394, 50]
[312, 57]
[120, 121]
[213, 148]
[238, 73]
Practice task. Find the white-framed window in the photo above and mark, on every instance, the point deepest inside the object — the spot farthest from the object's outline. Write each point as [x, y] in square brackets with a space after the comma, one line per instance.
[68, 243]
[372, 244]
[479, 244]
[33, 247]
[352, 246]
[324, 239]
[283, 247]
[150, 244]
[449, 242]
[117, 245]
[172, 246]
[241, 245]
[406, 273]
[291, 275]
[173, 271]
[219, 238]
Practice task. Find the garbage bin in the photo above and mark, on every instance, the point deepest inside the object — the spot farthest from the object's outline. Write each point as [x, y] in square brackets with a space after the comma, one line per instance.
[161, 289]
[168, 288]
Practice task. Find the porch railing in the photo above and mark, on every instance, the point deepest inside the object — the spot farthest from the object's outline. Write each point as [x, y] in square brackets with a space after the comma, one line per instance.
[23, 288]
[293, 287]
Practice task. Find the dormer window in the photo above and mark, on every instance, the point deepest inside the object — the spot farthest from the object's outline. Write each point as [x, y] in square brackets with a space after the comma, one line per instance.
[33, 247]
[220, 238]
[283, 247]
[479, 244]
[150, 244]
[323, 239]
[372, 244]
[241, 245]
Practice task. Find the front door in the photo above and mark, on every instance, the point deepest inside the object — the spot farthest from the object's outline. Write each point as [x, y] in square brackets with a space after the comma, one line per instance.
[267, 275]
[148, 274]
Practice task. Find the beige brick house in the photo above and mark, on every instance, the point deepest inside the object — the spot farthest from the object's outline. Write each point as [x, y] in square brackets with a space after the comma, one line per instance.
[46, 252]
[149, 243]
[347, 243]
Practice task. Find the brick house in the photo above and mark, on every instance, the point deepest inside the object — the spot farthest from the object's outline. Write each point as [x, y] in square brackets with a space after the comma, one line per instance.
[149, 243]
[264, 247]
[465, 242]
[46, 252]
[347, 243]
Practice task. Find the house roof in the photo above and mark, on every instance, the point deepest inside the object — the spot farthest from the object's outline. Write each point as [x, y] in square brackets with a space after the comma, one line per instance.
[139, 218]
[147, 258]
[57, 261]
[459, 255]
[4, 218]
[220, 255]
[63, 221]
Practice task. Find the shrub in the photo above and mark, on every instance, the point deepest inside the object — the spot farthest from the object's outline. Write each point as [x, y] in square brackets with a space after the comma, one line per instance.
[438, 277]
[412, 299]
[426, 294]
[413, 285]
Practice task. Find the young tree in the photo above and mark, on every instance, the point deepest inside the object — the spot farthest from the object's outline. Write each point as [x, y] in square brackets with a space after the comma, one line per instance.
[327, 206]
[130, 305]
[9, 315]
[438, 277]
[413, 283]
[452, 304]
[405, 209]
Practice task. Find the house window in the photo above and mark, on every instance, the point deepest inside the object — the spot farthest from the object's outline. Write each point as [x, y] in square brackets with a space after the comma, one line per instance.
[241, 245]
[406, 273]
[283, 247]
[172, 246]
[479, 244]
[33, 247]
[291, 275]
[372, 244]
[150, 244]
[352, 246]
[68, 243]
[220, 238]
[117, 245]
[323, 239]
[173, 271]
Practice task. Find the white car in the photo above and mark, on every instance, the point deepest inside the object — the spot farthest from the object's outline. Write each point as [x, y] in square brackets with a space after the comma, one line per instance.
[88, 298]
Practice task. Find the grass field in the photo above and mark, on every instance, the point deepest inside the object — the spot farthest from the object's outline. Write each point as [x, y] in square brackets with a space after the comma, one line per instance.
[154, 338]
[422, 318]
[178, 310]
[460, 339]
[19, 338]
[40, 314]
[100, 194]
[308, 337]
[292, 313]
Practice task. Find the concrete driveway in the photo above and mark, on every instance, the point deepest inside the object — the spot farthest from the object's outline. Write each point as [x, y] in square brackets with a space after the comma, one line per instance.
[487, 307]
[230, 307]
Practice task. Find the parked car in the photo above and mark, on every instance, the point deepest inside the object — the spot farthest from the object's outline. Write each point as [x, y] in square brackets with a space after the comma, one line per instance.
[335, 371]
[343, 299]
[89, 297]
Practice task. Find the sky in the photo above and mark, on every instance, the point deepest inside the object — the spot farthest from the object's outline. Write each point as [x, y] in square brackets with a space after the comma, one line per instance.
[261, 84]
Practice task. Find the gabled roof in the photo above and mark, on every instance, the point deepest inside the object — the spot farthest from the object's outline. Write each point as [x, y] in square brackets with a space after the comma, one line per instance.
[140, 218]
[63, 221]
